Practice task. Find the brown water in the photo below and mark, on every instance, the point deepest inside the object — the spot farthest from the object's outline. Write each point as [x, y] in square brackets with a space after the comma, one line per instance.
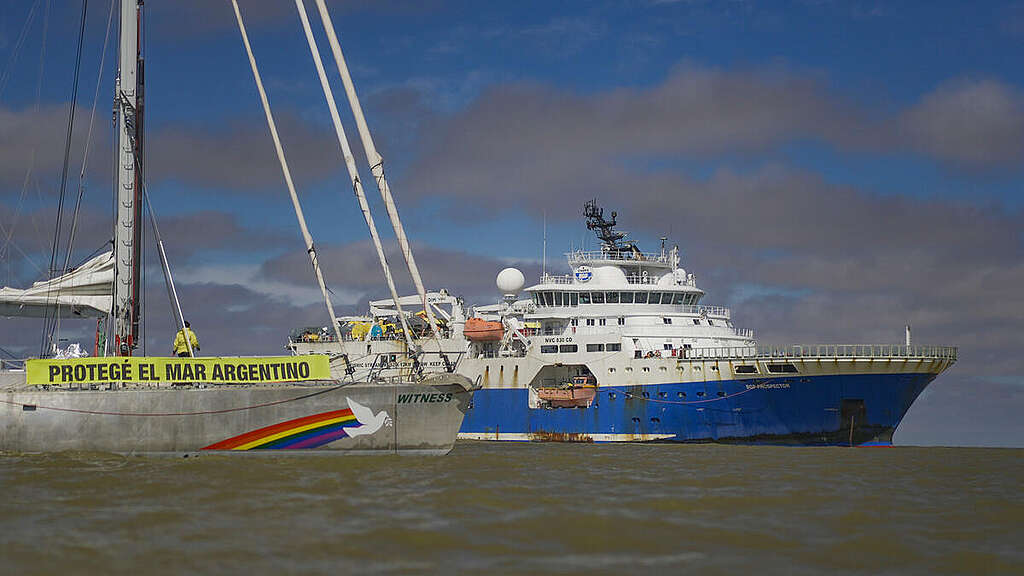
[520, 509]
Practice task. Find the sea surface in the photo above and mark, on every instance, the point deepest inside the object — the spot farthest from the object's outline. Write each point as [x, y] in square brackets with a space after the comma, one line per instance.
[520, 509]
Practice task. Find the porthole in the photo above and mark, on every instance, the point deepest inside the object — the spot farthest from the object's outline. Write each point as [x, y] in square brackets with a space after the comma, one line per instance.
[700, 394]
[611, 395]
[647, 368]
[681, 394]
[662, 394]
[611, 370]
[721, 394]
[647, 394]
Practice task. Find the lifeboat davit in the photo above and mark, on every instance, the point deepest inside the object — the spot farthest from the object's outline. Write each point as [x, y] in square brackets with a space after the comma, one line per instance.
[480, 330]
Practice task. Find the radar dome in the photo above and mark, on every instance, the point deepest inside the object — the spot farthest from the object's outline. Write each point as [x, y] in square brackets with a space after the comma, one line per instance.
[510, 281]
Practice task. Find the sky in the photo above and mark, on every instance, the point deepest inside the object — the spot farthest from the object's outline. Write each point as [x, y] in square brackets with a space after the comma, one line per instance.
[831, 171]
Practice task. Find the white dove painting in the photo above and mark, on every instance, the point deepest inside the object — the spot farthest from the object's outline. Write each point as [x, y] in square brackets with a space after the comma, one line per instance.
[368, 421]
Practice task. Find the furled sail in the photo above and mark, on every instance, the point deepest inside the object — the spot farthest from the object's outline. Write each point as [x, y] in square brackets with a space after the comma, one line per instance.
[86, 291]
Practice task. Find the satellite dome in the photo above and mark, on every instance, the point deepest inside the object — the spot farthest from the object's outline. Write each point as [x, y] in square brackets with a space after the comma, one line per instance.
[510, 281]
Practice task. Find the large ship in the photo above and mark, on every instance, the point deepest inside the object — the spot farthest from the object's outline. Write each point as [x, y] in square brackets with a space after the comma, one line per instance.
[624, 349]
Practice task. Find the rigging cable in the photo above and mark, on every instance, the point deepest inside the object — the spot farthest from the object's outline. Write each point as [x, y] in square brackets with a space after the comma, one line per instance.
[49, 325]
[18, 45]
[88, 141]
[287, 173]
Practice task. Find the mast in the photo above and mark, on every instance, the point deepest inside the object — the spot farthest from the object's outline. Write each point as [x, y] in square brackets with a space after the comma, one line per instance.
[128, 209]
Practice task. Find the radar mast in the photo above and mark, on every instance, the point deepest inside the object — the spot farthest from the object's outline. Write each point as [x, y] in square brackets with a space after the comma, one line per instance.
[614, 241]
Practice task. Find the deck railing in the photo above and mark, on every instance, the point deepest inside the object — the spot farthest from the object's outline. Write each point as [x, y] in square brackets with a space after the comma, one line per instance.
[622, 255]
[824, 351]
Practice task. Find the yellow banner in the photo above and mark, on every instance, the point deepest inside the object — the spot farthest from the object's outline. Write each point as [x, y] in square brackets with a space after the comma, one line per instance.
[144, 369]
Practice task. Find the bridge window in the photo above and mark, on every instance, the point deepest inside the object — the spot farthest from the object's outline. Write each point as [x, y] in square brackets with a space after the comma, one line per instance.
[654, 298]
[565, 348]
[549, 349]
[597, 297]
[640, 297]
[612, 297]
[558, 298]
[626, 297]
[782, 368]
[595, 347]
[678, 298]
[574, 299]
[584, 297]
[613, 347]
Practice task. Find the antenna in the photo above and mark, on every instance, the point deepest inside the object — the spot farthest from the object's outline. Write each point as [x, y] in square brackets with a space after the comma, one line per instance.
[544, 252]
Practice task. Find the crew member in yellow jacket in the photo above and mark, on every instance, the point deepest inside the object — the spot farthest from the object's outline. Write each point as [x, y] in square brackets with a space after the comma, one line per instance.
[180, 347]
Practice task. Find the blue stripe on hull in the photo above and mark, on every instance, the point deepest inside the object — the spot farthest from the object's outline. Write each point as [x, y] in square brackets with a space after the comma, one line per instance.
[794, 410]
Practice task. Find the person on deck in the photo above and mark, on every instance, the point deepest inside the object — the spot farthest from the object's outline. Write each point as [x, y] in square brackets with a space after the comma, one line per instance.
[180, 347]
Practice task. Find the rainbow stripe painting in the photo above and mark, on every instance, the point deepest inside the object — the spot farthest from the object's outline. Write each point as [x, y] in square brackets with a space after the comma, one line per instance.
[301, 433]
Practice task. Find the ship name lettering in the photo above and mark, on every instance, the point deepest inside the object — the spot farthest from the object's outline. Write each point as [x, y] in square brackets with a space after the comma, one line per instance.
[424, 398]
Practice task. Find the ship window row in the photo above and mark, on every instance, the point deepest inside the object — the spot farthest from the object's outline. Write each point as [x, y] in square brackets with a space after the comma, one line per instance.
[549, 298]
[570, 348]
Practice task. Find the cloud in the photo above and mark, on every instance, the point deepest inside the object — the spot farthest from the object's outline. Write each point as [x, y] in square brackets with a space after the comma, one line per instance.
[354, 268]
[524, 139]
[236, 154]
[976, 125]
[27, 237]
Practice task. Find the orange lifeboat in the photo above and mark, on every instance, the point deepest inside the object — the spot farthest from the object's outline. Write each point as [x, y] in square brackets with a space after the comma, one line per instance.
[480, 330]
[579, 393]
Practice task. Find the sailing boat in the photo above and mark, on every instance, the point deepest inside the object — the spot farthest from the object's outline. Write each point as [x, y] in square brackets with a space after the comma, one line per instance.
[130, 404]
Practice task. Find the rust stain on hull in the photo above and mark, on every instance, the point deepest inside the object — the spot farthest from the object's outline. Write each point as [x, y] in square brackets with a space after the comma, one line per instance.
[542, 436]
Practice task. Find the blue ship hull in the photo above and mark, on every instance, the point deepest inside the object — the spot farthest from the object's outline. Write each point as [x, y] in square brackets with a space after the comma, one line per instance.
[839, 410]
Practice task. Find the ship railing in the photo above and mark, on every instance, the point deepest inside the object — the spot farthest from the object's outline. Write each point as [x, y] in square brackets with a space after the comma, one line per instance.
[642, 280]
[620, 255]
[769, 352]
[632, 279]
[712, 311]
[12, 364]
[556, 279]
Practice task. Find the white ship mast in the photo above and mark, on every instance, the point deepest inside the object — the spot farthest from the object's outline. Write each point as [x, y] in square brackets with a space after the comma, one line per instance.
[127, 225]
